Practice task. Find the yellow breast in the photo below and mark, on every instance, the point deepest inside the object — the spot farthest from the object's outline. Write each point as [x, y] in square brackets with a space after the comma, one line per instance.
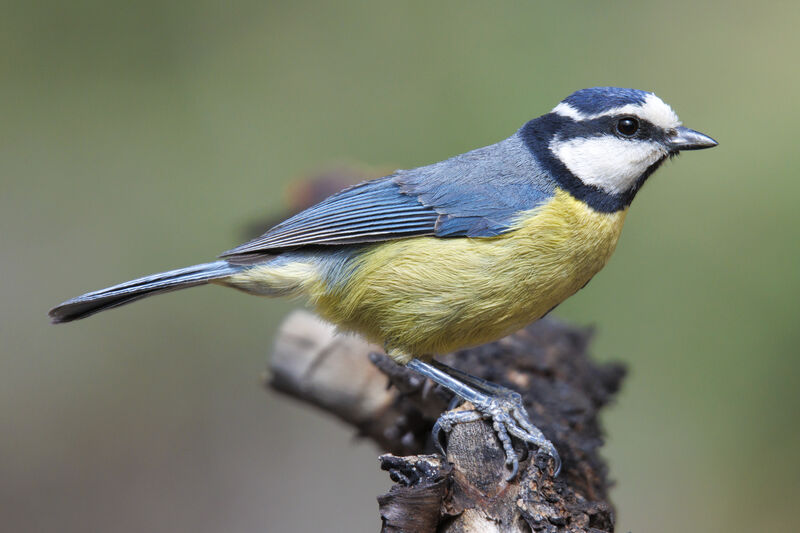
[427, 295]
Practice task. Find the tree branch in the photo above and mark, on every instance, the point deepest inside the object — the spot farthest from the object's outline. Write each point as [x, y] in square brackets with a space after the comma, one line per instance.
[546, 362]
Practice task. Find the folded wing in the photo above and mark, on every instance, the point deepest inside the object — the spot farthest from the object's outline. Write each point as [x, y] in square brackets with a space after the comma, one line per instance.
[477, 194]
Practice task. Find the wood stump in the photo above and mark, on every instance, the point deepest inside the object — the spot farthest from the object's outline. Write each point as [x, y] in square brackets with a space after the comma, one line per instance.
[563, 391]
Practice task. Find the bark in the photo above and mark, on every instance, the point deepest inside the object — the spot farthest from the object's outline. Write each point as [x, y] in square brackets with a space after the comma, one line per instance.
[547, 362]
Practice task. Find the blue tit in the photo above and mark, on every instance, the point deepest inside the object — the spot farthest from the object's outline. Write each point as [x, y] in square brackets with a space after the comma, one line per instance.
[460, 252]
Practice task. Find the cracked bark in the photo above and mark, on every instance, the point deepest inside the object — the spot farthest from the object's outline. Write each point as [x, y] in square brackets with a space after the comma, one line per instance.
[563, 391]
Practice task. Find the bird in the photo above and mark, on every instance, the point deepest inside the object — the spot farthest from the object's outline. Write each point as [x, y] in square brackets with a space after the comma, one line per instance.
[460, 252]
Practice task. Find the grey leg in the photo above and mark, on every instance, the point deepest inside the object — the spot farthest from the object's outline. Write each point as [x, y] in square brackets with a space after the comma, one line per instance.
[479, 383]
[498, 404]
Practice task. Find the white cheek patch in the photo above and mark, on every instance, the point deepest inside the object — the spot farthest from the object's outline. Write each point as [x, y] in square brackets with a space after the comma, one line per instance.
[607, 162]
[653, 110]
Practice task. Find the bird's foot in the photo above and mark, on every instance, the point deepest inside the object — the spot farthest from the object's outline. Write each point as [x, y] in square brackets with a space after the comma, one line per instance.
[492, 402]
[508, 416]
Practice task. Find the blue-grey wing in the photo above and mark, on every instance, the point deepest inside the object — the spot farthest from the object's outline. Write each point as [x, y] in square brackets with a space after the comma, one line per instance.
[476, 194]
[371, 211]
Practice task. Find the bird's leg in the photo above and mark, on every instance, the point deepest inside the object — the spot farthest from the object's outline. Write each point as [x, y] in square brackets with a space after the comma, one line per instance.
[484, 385]
[489, 387]
[498, 404]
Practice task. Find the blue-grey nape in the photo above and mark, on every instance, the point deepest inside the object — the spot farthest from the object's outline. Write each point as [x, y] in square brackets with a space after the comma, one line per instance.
[600, 99]
[482, 192]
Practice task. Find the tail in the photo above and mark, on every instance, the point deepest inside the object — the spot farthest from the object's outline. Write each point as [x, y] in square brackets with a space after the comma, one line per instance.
[94, 302]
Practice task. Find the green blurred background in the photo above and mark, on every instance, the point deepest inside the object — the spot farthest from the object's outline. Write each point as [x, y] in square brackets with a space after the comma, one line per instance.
[137, 137]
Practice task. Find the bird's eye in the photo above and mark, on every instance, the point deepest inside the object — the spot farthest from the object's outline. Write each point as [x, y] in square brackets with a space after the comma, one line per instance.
[628, 126]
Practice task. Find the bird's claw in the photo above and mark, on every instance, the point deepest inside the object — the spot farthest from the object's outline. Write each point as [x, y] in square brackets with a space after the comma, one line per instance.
[509, 418]
[446, 422]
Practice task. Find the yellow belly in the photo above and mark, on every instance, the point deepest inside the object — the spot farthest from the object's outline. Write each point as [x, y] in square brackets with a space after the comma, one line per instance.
[427, 295]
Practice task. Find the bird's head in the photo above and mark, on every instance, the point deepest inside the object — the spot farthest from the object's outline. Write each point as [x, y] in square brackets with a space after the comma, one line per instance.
[607, 141]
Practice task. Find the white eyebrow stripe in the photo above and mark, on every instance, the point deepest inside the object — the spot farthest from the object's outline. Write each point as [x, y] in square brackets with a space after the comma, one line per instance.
[566, 110]
[653, 109]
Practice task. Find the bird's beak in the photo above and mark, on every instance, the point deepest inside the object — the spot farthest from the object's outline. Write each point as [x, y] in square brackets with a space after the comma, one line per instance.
[686, 139]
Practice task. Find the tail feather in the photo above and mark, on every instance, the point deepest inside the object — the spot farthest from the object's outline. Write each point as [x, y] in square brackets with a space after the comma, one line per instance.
[94, 302]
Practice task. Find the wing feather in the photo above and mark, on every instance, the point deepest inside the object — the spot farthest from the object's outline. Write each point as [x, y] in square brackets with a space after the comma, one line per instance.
[476, 194]
[371, 211]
